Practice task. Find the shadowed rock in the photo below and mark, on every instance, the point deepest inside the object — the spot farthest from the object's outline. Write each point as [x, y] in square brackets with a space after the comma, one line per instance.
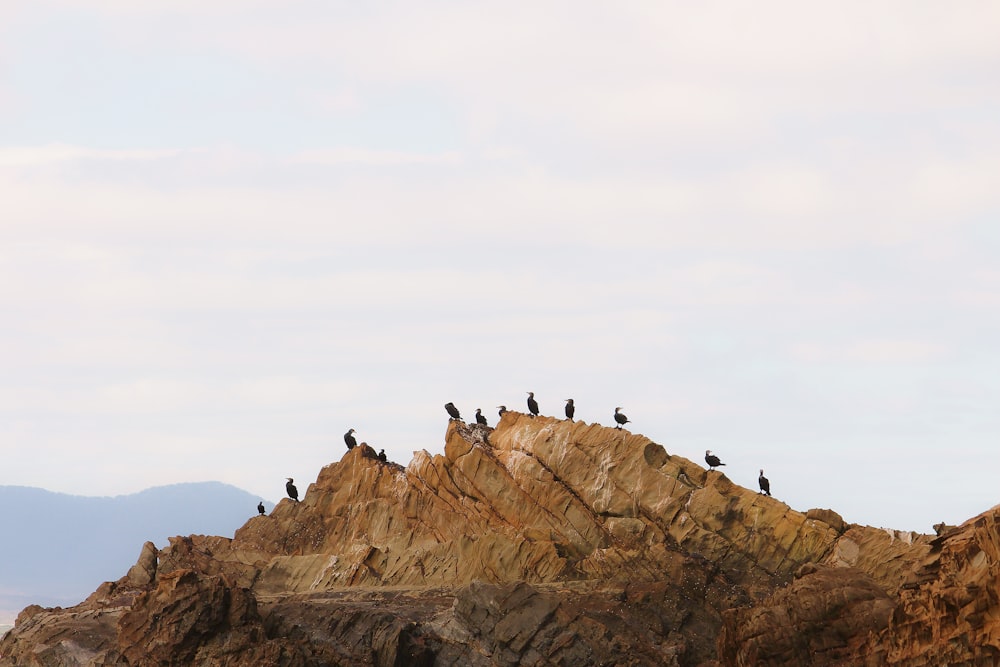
[541, 541]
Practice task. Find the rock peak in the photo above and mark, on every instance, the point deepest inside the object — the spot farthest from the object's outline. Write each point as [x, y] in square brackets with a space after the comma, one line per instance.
[557, 523]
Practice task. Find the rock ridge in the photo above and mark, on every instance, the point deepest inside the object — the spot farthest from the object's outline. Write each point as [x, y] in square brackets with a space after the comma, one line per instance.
[539, 541]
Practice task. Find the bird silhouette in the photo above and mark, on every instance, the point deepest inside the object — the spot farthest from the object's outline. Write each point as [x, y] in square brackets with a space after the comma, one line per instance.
[532, 404]
[765, 485]
[620, 418]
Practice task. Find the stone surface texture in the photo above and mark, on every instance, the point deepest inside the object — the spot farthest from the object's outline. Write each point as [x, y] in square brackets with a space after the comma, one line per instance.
[539, 542]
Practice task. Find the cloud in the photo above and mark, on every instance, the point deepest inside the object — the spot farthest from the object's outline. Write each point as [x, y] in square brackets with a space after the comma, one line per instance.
[363, 156]
[872, 352]
[31, 156]
[772, 215]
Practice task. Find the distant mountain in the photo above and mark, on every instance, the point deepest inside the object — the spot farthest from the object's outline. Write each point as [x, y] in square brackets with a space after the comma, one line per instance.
[57, 548]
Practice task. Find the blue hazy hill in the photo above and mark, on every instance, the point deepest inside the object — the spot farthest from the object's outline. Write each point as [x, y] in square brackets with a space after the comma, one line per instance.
[56, 549]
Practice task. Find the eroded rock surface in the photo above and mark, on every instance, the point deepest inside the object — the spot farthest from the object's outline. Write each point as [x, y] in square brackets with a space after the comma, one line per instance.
[822, 618]
[949, 609]
[538, 542]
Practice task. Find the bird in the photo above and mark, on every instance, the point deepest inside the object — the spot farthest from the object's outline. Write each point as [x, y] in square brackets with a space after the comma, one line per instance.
[349, 439]
[765, 485]
[293, 493]
[503, 410]
[452, 411]
[532, 404]
[712, 460]
[260, 508]
[570, 409]
[381, 455]
[620, 418]
[480, 418]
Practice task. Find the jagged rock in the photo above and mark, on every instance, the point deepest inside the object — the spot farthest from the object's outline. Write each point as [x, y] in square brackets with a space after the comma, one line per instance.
[539, 541]
[829, 517]
[949, 611]
[192, 618]
[143, 572]
[822, 618]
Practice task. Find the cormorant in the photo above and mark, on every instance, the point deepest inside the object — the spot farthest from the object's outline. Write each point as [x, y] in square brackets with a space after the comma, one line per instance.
[503, 410]
[532, 404]
[712, 460]
[620, 418]
[349, 439]
[480, 419]
[765, 485]
[260, 508]
[452, 411]
[570, 409]
[293, 493]
[381, 455]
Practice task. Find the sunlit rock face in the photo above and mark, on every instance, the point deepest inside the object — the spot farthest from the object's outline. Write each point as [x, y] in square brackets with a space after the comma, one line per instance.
[541, 541]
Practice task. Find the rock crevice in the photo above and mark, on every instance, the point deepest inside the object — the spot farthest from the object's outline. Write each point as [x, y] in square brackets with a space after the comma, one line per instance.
[539, 541]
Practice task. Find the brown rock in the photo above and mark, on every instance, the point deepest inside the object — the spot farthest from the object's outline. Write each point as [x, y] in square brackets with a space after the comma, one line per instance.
[822, 618]
[190, 618]
[538, 542]
[143, 572]
[949, 611]
[829, 517]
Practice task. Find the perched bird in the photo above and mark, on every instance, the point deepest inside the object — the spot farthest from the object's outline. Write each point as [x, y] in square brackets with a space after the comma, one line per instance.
[452, 411]
[570, 409]
[260, 508]
[620, 418]
[532, 404]
[712, 460]
[765, 485]
[381, 455]
[349, 439]
[480, 418]
[293, 493]
[503, 410]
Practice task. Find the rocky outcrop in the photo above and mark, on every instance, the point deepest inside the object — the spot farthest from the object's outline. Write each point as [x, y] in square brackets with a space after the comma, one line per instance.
[822, 618]
[538, 542]
[197, 619]
[949, 608]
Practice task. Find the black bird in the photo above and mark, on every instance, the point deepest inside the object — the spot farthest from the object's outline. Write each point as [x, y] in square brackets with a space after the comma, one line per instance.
[620, 418]
[480, 419]
[503, 410]
[712, 460]
[260, 508]
[532, 404]
[293, 493]
[570, 409]
[381, 455]
[452, 411]
[349, 439]
[765, 485]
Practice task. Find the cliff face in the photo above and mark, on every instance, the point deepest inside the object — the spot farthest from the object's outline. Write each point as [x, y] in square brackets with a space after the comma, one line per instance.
[538, 542]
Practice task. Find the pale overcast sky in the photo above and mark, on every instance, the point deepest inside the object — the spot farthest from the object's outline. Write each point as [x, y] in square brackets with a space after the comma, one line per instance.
[232, 230]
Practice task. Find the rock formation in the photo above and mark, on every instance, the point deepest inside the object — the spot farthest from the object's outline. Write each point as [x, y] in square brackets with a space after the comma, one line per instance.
[539, 542]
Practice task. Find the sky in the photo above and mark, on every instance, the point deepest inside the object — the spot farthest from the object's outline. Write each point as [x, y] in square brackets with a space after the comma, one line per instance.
[231, 231]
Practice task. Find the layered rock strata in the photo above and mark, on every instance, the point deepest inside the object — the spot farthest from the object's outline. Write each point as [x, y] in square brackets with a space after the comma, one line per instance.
[538, 542]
